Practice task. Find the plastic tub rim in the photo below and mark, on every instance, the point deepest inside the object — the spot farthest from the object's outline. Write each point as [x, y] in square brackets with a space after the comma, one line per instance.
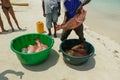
[77, 56]
[17, 52]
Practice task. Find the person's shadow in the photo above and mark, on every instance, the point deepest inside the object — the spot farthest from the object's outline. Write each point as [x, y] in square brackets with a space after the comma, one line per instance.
[51, 61]
[3, 77]
[9, 31]
[90, 64]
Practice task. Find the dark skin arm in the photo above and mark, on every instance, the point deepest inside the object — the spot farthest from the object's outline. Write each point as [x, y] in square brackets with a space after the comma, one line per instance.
[59, 8]
[83, 4]
[43, 6]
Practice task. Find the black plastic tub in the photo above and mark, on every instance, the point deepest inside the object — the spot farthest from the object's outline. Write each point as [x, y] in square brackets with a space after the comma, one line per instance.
[76, 60]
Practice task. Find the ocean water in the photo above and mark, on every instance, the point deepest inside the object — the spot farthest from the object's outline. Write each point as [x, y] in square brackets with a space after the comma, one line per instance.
[103, 17]
[111, 6]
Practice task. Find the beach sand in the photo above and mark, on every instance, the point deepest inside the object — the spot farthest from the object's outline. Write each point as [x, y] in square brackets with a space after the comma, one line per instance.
[104, 65]
[103, 17]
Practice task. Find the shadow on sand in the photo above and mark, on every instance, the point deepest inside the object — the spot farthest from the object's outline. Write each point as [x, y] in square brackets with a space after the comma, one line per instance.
[9, 31]
[90, 64]
[4, 73]
[51, 61]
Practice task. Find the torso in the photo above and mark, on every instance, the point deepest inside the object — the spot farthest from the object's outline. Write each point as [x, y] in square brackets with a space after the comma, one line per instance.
[71, 7]
[49, 4]
[6, 3]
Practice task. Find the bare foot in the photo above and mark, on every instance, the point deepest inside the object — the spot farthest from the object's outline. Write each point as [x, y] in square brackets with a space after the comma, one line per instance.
[19, 28]
[49, 34]
[55, 36]
[13, 30]
[4, 30]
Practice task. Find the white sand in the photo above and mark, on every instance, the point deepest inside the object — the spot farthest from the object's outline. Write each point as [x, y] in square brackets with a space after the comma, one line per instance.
[104, 18]
[104, 65]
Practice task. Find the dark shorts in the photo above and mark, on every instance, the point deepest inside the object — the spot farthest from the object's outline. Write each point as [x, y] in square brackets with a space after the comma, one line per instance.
[78, 31]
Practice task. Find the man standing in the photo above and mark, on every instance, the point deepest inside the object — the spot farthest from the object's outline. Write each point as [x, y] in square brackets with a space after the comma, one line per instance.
[51, 10]
[72, 7]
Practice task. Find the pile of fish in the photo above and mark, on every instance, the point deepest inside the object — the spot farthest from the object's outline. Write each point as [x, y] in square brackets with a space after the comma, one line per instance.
[74, 22]
[77, 50]
[37, 47]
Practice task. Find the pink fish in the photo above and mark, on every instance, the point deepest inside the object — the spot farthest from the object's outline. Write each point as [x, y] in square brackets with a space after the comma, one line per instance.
[74, 22]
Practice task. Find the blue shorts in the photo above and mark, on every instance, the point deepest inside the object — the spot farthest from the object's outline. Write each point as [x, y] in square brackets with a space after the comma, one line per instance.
[51, 17]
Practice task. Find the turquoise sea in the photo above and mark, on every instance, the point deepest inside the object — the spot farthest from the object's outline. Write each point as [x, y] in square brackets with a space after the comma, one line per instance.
[103, 17]
[110, 6]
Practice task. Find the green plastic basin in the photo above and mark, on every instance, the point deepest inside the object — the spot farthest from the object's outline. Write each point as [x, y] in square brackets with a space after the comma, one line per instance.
[75, 60]
[32, 58]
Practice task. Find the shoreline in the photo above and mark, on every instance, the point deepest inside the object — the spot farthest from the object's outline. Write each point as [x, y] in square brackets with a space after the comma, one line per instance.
[103, 22]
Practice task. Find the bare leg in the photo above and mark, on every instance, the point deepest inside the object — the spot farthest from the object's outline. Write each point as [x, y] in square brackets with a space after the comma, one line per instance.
[13, 16]
[49, 31]
[2, 26]
[55, 29]
[8, 18]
